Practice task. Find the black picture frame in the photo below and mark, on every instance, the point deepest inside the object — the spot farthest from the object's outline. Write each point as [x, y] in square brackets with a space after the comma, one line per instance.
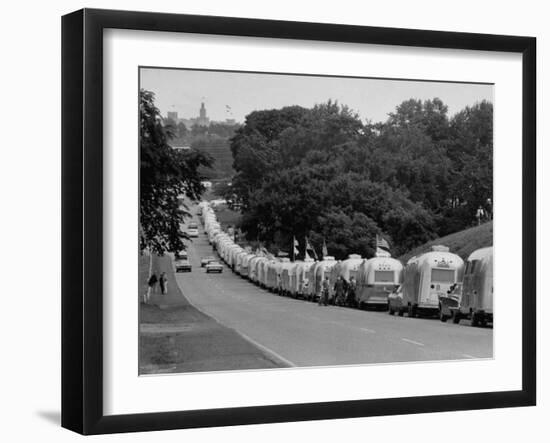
[82, 220]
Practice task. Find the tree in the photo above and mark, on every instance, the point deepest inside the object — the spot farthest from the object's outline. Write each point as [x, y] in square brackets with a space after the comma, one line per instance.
[166, 175]
[321, 172]
[471, 151]
[345, 234]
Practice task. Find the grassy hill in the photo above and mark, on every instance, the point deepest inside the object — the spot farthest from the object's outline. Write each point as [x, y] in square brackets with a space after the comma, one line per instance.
[223, 162]
[462, 243]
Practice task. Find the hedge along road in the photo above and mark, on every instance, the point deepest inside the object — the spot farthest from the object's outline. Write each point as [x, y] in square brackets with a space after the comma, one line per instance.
[302, 333]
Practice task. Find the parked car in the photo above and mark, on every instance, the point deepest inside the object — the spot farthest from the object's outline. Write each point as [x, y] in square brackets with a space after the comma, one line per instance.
[206, 260]
[214, 266]
[181, 254]
[183, 265]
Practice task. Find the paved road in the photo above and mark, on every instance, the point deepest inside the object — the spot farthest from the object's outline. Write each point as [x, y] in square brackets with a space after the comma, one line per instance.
[304, 334]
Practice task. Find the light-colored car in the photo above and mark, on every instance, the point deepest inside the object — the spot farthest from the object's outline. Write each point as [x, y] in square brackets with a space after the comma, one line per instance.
[181, 255]
[183, 265]
[206, 260]
[214, 266]
[193, 230]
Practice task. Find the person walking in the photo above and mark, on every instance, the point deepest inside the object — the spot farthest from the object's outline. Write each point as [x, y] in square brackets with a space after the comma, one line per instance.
[352, 289]
[163, 283]
[325, 288]
[152, 286]
[339, 292]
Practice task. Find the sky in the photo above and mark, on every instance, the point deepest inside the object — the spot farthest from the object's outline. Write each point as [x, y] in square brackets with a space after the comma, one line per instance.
[236, 94]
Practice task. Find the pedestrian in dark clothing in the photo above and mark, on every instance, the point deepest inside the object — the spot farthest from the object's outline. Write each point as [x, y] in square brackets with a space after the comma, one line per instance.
[325, 288]
[352, 289]
[151, 286]
[153, 280]
[339, 292]
[163, 283]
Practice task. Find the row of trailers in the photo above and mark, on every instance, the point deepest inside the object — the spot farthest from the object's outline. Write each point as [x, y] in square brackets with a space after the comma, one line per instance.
[437, 283]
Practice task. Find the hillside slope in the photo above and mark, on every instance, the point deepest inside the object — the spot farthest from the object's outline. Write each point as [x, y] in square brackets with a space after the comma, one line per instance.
[223, 162]
[462, 243]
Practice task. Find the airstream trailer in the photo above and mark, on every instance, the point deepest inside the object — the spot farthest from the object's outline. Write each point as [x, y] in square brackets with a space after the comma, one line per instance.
[227, 245]
[290, 279]
[273, 276]
[261, 271]
[300, 287]
[253, 268]
[241, 264]
[232, 255]
[476, 302]
[287, 271]
[317, 275]
[428, 277]
[220, 242]
[377, 277]
[212, 236]
[346, 269]
[237, 261]
[216, 236]
[247, 263]
[223, 248]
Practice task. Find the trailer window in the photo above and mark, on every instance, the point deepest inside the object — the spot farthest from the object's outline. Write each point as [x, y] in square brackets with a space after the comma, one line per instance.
[383, 276]
[443, 275]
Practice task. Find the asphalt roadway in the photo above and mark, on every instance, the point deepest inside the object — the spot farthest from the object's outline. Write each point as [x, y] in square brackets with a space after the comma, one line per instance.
[301, 333]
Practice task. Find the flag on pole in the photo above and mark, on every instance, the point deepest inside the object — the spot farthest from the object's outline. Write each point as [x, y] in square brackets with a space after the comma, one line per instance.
[325, 250]
[310, 248]
[382, 243]
[295, 250]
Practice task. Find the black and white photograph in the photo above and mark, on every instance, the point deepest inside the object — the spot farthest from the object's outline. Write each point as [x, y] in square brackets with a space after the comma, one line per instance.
[313, 203]
[295, 221]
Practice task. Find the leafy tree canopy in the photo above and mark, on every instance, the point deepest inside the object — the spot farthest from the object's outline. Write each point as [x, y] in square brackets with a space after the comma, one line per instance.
[166, 176]
[321, 172]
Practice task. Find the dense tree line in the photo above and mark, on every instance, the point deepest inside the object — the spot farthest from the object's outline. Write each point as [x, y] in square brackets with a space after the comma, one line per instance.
[166, 175]
[323, 173]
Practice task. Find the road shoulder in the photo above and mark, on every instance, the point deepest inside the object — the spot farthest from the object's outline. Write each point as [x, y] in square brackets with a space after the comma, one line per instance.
[176, 337]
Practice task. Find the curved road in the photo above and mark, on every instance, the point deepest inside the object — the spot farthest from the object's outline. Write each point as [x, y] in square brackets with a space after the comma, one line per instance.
[304, 334]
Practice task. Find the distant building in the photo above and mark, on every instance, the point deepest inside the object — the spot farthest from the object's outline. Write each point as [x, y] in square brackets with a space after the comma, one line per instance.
[201, 120]
[173, 116]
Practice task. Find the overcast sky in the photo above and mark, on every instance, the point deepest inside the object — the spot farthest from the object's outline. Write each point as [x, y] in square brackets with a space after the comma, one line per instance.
[236, 94]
